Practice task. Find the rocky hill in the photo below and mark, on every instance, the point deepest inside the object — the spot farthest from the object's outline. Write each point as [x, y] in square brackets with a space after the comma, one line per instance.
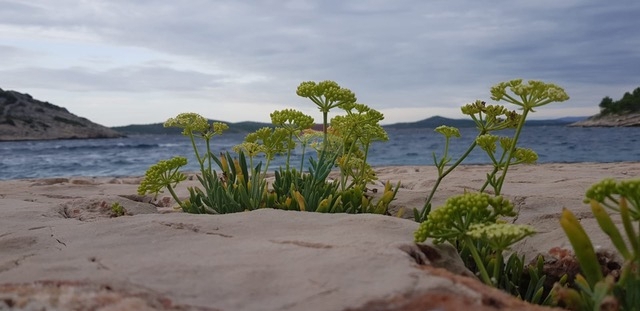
[610, 120]
[24, 118]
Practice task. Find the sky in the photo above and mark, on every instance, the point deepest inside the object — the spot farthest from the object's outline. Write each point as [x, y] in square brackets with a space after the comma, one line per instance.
[120, 62]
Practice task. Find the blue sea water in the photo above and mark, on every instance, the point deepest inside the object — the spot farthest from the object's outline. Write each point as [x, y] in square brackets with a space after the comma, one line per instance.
[131, 156]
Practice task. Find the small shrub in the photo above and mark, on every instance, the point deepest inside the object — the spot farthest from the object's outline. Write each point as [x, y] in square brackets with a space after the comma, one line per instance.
[117, 210]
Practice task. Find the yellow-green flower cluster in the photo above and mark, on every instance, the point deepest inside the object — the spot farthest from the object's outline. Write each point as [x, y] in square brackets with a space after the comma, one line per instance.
[162, 174]
[291, 119]
[326, 94]
[500, 236]
[219, 127]
[251, 149]
[606, 188]
[360, 123]
[448, 131]
[608, 191]
[194, 123]
[190, 122]
[273, 141]
[487, 142]
[452, 221]
[530, 95]
[525, 155]
[491, 117]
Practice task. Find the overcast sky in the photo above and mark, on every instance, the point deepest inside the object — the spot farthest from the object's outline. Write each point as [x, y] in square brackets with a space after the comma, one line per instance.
[119, 62]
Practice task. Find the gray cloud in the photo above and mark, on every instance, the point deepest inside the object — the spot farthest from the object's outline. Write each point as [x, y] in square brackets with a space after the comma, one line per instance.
[407, 53]
[128, 79]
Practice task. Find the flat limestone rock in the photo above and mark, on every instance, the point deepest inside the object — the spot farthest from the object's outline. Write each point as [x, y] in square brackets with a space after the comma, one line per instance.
[260, 260]
[267, 259]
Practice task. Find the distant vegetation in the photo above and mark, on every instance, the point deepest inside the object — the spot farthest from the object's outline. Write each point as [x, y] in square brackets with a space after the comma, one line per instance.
[629, 103]
[158, 128]
[247, 127]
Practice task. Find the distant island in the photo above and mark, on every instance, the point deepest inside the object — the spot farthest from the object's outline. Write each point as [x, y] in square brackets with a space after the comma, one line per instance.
[246, 127]
[24, 118]
[622, 112]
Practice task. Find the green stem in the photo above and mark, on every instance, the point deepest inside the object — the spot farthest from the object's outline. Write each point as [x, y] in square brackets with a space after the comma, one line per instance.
[174, 195]
[444, 174]
[497, 269]
[364, 162]
[325, 124]
[195, 149]
[511, 151]
[484, 275]
[209, 154]
[304, 148]
[289, 151]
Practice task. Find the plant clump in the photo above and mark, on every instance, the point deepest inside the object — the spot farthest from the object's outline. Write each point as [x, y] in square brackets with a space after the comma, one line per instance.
[239, 184]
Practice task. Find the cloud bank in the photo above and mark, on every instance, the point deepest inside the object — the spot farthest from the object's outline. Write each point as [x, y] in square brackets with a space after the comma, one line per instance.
[238, 60]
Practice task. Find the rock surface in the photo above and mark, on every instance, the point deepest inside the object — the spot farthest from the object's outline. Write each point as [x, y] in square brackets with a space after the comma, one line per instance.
[24, 118]
[610, 120]
[62, 249]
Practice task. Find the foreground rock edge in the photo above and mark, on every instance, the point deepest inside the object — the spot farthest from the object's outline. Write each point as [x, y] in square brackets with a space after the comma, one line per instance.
[103, 258]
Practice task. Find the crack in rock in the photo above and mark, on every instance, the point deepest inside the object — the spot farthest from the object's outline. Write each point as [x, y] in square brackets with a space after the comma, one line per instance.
[303, 244]
[12, 264]
[193, 228]
[99, 263]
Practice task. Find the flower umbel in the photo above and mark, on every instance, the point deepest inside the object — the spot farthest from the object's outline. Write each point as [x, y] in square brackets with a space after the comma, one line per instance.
[189, 122]
[452, 221]
[448, 131]
[528, 96]
[500, 236]
[162, 174]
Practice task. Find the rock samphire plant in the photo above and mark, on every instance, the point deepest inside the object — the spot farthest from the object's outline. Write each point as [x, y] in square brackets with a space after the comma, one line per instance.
[492, 118]
[241, 184]
[593, 290]
[474, 221]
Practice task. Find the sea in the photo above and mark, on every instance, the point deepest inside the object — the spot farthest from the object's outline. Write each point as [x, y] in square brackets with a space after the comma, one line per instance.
[132, 155]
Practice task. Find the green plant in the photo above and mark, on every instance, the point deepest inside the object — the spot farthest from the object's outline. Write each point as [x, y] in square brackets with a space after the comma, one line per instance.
[326, 95]
[241, 185]
[117, 210]
[237, 189]
[491, 118]
[166, 173]
[595, 291]
[473, 223]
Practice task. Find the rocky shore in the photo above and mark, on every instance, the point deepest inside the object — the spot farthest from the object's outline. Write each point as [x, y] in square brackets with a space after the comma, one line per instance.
[610, 120]
[24, 118]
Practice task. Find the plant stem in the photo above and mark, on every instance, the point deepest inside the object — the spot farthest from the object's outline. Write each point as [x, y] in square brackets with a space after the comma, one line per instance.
[304, 148]
[289, 151]
[325, 124]
[174, 195]
[484, 275]
[511, 151]
[364, 162]
[209, 154]
[445, 173]
[195, 149]
[497, 269]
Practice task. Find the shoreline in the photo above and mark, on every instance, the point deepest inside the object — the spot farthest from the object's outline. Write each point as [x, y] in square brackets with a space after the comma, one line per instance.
[375, 167]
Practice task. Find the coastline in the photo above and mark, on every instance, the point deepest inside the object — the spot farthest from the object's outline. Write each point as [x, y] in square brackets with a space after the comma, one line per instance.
[610, 120]
[60, 229]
